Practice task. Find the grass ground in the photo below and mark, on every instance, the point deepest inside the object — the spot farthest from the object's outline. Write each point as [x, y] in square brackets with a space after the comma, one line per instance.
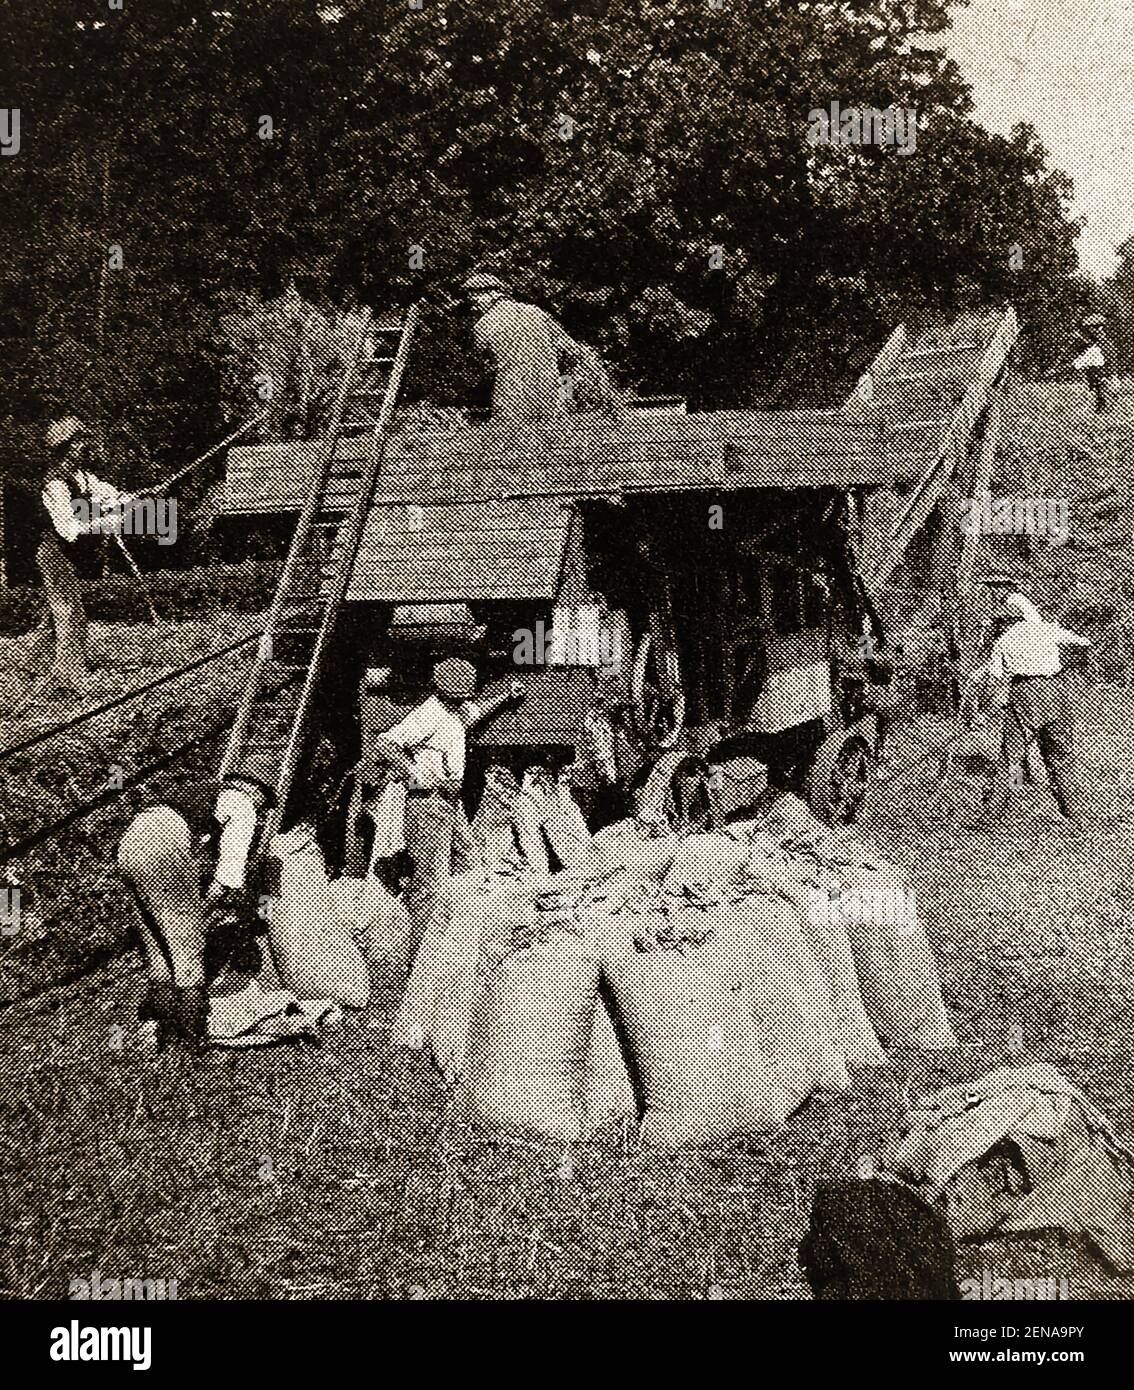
[340, 1171]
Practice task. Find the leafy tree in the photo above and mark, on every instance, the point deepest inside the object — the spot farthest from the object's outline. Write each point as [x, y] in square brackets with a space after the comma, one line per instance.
[1118, 300]
[642, 168]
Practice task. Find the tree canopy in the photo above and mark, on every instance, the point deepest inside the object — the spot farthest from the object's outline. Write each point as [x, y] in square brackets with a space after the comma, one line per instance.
[1118, 300]
[640, 168]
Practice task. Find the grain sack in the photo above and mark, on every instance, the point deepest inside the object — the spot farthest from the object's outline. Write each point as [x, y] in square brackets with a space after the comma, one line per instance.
[491, 829]
[896, 969]
[312, 942]
[800, 883]
[763, 939]
[703, 860]
[531, 1036]
[387, 812]
[623, 845]
[529, 811]
[565, 828]
[448, 969]
[790, 996]
[377, 919]
[693, 1048]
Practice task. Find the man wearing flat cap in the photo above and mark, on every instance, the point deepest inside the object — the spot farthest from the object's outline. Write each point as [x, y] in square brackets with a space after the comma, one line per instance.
[76, 507]
[427, 749]
[540, 370]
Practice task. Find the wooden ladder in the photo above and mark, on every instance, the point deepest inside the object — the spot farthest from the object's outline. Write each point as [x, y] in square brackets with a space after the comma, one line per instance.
[269, 735]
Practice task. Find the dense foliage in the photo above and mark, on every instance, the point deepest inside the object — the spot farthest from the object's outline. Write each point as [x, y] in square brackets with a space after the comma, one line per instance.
[1118, 301]
[596, 150]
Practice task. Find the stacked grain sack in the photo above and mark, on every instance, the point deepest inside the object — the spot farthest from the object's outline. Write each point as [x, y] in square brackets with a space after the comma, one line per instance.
[707, 985]
[846, 889]
[727, 1021]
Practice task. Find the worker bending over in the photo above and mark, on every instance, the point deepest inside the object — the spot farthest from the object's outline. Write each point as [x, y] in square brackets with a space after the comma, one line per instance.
[1031, 686]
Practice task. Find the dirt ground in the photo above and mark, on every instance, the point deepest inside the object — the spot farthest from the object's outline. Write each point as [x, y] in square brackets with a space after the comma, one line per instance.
[340, 1171]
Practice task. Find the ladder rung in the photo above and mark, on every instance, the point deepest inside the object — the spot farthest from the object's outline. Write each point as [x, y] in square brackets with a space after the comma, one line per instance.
[967, 345]
[942, 381]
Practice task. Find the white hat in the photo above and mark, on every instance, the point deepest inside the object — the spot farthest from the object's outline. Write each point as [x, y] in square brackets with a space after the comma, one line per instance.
[61, 432]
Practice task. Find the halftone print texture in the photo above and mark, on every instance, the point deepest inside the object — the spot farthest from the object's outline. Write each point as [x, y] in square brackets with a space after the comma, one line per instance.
[566, 721]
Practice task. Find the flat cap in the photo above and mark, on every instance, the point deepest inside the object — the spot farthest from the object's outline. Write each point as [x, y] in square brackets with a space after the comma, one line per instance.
[484, 281]
[61, 432]
[454, 678]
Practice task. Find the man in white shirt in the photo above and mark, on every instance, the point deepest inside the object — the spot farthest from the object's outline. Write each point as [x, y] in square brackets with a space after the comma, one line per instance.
[1029, 684]
[77, 505]
[428, 750]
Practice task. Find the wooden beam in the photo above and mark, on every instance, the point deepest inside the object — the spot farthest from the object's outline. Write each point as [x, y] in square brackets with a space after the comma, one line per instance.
[953, 445]
[893, 348]
[978, 481]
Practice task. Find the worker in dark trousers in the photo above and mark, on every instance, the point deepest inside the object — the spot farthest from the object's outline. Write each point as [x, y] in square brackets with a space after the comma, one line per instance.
[157, 858]
[1094, 357]
[427, 749]
[1026, 668]
[77, 506]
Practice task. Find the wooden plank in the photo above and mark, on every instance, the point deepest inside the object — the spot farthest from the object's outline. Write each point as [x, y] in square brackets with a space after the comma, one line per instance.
[971, 345]
[979, 482]
[944, 361]
[954, 445]
[440, 542]
[432, 584]
[453, 490]
[455, 553]
[891, 351]
[454, 558]
[579, 439]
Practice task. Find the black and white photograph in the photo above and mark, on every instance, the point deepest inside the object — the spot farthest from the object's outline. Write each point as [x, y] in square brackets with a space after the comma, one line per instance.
[566, 666]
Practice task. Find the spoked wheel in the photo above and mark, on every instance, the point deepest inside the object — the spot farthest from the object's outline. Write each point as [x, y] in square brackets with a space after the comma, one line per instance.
[658, 702]
[840, 778]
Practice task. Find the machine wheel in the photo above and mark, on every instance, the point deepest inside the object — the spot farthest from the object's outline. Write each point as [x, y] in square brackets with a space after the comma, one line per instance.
[840, 777]
[658, 702]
